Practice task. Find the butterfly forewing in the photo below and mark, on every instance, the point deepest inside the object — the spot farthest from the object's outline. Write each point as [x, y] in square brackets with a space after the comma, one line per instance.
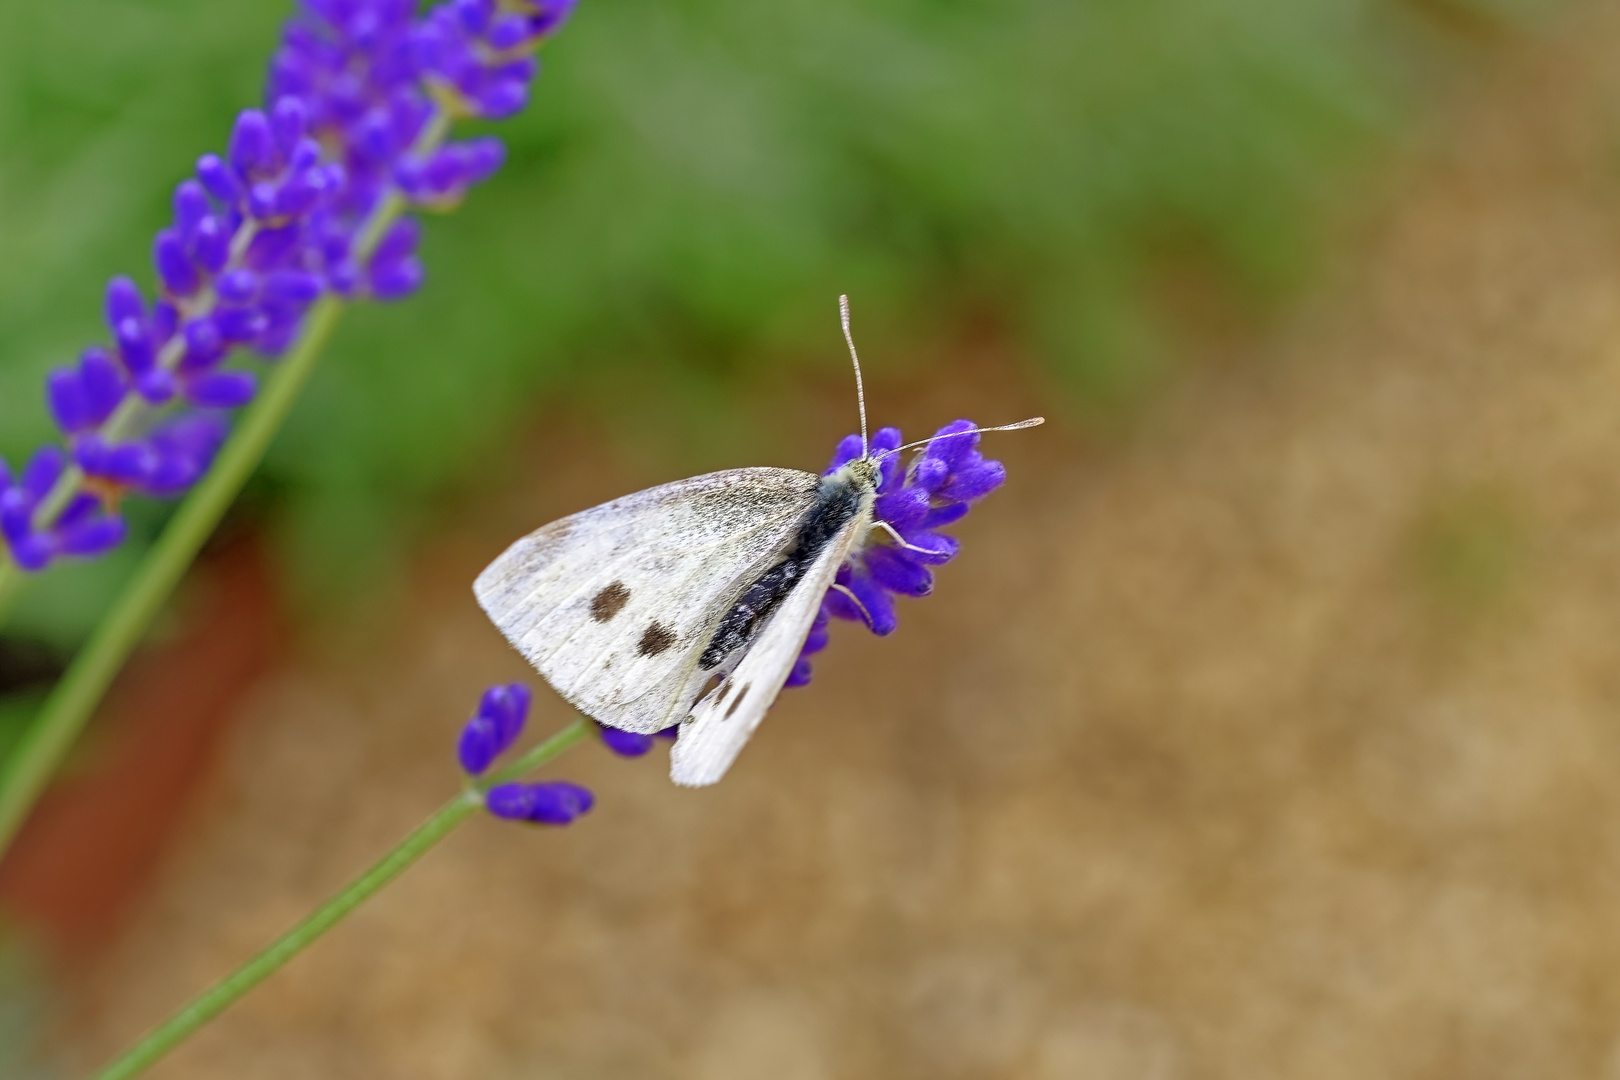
[718, 726]
[614, 605]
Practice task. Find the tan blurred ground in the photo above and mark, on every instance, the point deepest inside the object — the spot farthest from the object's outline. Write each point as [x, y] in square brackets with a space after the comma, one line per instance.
[1283, 742]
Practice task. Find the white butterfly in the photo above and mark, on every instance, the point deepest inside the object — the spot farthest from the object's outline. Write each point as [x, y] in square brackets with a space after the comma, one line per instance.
[633, 608]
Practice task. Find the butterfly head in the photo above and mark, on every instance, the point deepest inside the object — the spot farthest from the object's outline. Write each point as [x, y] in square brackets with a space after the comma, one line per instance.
[861, 473]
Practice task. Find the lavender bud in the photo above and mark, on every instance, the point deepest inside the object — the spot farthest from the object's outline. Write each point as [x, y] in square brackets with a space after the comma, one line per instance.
[211, 244]
[156, 386]
[101, 383]
[287, 122]
[238, 287]
[625, 743]
[252, 147]
[974, 482]
[64, 394]
[494, 727]
[94, 537]
[204, 345]
[174, 268]
[42, 471]
[133, 347]
[891, 569]
[952, 445]
[217, 177]
[240, 325]
[555, 803]
[124, 303]
[392, 281]
[222, 389]
[191, 206]
[903, 508]
[292, 287]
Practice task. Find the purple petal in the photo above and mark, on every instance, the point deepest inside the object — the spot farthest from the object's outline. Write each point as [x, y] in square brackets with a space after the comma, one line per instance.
[292, 287]
[124, 302]
[43, 470]
[904, 508]
[625, 743]
[951, 446]
[800, 675]
[849, 448]
[211, 244]
[32, 553]
[975, 482]
[204, 345]
[399, 242]
[179, 276]
[156, 386]
[240, 325]
[101, 382]
[479, 745]
[191, 206]
[93, 537]
[392, 281]
[238, 287]
[222, 389]
[880, 612]
[945, 515]
[217, 177]
[252, 146]
[936, 548]
[929, 473]
[65, 396]
[555, 803]
[287, 121]
[891, 569]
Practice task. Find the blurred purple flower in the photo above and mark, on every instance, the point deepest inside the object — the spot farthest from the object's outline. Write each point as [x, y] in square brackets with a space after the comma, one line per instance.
[359, 97]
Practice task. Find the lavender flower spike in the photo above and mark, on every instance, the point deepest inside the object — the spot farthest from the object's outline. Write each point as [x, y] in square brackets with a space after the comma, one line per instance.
[301, 206]
[937, 489]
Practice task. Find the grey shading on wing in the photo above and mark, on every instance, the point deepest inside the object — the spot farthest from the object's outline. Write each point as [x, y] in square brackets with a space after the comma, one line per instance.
[614, 605]
[718, 726]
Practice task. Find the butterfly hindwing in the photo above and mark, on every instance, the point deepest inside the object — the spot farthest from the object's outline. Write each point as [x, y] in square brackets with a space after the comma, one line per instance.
[720, 724]
[614, 605]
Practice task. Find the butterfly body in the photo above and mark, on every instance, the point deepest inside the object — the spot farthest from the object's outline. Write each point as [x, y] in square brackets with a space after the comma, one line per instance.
[630, 609]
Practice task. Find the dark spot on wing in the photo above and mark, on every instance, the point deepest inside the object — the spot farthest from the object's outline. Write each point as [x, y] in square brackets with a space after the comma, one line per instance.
[608, 602]
[735, 702]
[725, 688]
[656, 639]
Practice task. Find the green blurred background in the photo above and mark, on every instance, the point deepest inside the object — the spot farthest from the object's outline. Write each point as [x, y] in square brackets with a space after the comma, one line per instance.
[692, 185]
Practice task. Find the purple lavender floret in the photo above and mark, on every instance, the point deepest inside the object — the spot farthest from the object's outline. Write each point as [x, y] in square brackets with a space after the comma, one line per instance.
[630, 744]
[555, 802]
[359, 97]
[494, 727]
[938, 489]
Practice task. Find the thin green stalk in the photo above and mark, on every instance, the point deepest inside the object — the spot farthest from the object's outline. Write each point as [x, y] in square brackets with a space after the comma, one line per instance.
[222, 994]
[11, 580]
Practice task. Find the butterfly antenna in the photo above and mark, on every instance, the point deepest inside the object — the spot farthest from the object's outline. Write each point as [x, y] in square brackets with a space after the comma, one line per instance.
[1034, 421]
[860, 391]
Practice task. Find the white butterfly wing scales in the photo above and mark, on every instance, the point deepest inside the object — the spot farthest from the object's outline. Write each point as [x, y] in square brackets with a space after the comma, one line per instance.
[614, 605]
[723, 721]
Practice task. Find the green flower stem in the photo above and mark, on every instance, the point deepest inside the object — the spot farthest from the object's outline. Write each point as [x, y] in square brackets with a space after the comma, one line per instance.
[11, 580]
[222, 994]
